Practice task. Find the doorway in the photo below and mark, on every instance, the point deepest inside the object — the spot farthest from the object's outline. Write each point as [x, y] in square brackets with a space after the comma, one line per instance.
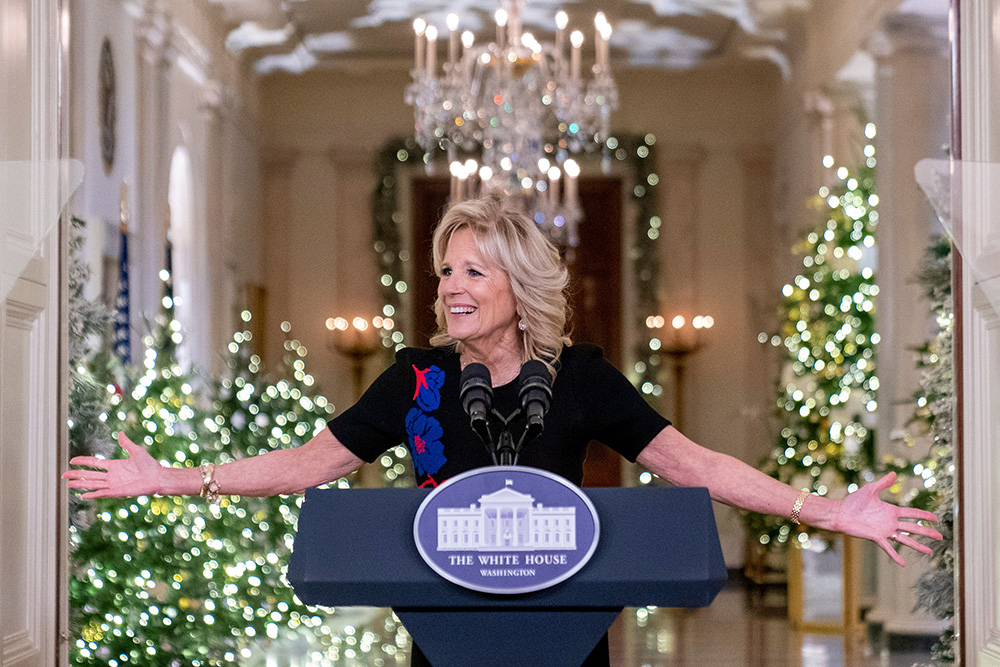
[595, 291]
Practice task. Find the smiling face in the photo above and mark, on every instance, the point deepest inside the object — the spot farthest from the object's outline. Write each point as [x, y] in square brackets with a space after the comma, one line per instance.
[479, 305]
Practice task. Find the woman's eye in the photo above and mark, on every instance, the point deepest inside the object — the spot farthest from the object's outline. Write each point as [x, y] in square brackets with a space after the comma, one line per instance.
[473, 272]
[445, 272]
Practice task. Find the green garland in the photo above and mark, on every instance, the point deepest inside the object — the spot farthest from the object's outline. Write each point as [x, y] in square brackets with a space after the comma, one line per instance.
[934, 415]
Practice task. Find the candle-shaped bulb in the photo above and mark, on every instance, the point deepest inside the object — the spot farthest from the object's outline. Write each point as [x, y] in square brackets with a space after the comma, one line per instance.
[554, 173]
[432, 33]
[543, 165]
[419, 26]
[576, 39]
[501, 17]
[452, 21]
[468, 39]
[562, 20]
[485, 173]
[600, 20]
[471, 167]
[571, 168]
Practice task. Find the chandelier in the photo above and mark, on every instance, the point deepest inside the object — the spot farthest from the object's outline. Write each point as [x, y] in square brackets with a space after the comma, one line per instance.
[514, 115]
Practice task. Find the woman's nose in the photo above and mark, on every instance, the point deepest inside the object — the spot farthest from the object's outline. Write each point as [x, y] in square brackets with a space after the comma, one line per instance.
[451, 285]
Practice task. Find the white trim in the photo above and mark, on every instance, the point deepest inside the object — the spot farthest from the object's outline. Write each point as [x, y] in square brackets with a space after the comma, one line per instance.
[981, 345]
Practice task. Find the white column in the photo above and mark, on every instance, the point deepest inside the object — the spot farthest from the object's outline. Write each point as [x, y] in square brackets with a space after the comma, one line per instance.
[912, 96]
[278, 168]
[978, 339]
[219, 248]
[762, 295]
[153, 168]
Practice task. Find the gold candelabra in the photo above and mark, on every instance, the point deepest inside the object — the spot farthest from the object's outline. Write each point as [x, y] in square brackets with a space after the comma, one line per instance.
[679, 341]
[358, 340]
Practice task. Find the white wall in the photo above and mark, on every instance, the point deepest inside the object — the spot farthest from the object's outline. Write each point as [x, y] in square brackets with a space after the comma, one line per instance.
[177, 87]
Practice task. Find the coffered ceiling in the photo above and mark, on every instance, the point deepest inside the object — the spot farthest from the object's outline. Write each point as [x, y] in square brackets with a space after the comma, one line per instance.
[298, 35]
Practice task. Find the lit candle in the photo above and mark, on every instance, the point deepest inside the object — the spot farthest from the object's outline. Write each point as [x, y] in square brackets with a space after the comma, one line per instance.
[452, 21]
[467, 40]
[501, 17]
[514, 24]
[455, 168]
[572, 170]
[485, 174]
[463, 178]
[576, 39]
[599, 22]
[605, 38]
[471, 169]
[432, 35]
[419, 26]
[554, 175]
[562, 20]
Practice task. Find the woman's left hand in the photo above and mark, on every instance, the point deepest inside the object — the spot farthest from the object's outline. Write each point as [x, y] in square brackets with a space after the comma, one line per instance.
[863, 514]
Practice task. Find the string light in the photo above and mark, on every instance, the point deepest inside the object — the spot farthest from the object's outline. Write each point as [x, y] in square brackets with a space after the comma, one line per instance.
[830, 344]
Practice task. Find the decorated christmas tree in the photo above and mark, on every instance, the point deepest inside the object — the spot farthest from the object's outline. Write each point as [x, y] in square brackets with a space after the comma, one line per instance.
[175, 581]
[254, 414]
[934, 419]
[827, 395]
[144, 586]
[89, 371]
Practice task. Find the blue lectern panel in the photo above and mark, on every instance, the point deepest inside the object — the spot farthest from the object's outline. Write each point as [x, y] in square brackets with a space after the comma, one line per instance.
[658, 547]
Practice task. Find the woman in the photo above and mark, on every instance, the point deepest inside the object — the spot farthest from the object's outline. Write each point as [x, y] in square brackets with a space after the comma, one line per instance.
[500, 302]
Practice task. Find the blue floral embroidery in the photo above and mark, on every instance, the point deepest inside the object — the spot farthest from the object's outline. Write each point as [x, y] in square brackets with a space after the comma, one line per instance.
[427, 393]
[424, 433]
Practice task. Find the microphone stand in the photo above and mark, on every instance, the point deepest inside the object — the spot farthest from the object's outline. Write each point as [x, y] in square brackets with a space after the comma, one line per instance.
[506, 452]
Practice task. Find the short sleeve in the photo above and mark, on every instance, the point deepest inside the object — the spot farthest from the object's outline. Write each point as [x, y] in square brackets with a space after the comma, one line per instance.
[615, 412]
[376, 422]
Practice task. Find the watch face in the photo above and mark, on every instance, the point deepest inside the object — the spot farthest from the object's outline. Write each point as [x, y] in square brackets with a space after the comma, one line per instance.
[107, 106]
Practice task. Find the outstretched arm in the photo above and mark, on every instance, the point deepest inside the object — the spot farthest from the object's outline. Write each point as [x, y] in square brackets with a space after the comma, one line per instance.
[322, 459]
[730, 481]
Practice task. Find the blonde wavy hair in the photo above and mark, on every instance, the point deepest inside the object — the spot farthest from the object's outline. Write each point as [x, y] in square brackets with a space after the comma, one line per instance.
[538, 277]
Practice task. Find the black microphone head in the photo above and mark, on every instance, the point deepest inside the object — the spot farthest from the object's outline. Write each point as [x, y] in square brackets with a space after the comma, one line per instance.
[476, 385]
[534, 375]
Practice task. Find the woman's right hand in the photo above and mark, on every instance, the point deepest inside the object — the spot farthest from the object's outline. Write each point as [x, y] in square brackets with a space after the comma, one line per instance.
[138, 475]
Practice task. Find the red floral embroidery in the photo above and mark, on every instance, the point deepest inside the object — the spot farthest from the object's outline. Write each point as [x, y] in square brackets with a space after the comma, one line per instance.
[421, 380]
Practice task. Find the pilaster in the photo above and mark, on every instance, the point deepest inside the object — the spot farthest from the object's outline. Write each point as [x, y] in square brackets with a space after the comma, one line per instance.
[911, 92]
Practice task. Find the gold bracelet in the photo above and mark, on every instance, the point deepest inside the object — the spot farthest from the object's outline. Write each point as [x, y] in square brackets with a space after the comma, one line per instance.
[210, 490]
[797, 507]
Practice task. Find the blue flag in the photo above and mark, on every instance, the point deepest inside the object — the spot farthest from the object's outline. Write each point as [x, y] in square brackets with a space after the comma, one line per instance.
[122, 345]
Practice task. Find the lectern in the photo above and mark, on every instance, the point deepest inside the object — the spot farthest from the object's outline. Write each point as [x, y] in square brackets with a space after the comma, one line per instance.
[658, 546]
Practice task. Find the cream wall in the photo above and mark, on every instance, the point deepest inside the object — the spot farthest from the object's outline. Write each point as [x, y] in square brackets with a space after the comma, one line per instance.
[177, 87]
[323, 130]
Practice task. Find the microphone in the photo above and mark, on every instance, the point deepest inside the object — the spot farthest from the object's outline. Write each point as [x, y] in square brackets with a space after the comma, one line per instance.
[476, 394]
[535, 392]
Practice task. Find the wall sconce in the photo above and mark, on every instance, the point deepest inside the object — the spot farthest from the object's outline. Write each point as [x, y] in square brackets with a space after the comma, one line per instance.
[357, 340]
[678, 341]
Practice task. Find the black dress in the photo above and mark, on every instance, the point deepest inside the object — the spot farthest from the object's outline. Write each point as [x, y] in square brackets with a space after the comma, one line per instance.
[416, 402]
